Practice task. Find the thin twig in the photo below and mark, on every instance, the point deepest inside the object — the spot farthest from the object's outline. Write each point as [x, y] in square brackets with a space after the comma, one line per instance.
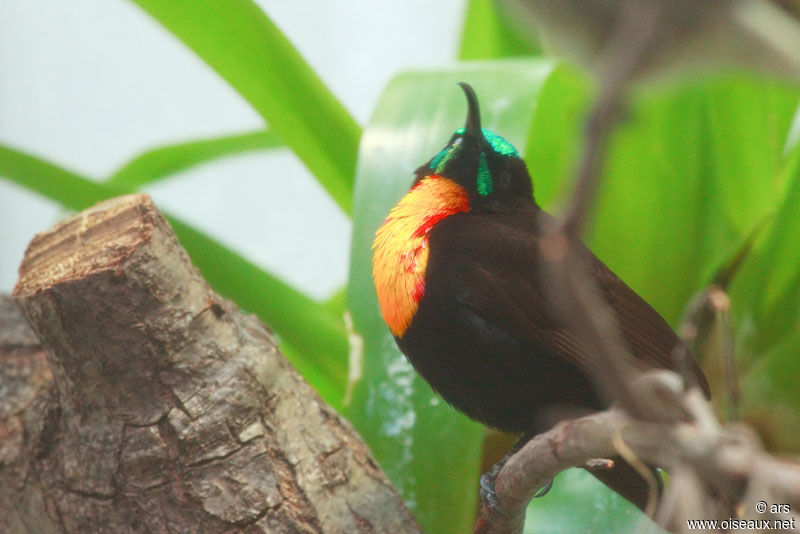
[727, 461]
[720, 304]
[571, 292]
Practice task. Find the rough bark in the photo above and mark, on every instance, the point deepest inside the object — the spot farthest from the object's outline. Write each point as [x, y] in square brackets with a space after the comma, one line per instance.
[157, 406]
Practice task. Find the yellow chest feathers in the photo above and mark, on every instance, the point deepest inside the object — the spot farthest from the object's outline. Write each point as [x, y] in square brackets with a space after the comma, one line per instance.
[400, 250]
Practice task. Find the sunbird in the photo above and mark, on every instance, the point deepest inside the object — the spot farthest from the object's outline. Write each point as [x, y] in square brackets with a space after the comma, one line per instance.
[457, 270]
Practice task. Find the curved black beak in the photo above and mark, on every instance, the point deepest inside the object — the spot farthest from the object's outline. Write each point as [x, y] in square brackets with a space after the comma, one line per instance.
[473, 125]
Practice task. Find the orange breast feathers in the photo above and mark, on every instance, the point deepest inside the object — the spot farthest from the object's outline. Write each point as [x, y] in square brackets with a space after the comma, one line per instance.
[401, 247]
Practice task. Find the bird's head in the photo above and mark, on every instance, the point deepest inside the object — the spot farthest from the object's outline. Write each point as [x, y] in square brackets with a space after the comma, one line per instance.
[487, 166]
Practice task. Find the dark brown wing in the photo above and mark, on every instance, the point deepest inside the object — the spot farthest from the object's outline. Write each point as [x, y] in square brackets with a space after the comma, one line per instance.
[650, 337]
[502, 285]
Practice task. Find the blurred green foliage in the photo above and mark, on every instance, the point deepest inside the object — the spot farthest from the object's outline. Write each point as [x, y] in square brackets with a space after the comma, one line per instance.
[696, 167]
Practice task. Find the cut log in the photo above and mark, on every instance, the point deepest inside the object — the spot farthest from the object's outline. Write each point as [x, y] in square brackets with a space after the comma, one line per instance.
[168, 409]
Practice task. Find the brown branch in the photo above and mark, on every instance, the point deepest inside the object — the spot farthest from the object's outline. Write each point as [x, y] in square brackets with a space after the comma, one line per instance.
[707, 314]
[571, 292]
[631, 44]
[168, 409]
[709, 464]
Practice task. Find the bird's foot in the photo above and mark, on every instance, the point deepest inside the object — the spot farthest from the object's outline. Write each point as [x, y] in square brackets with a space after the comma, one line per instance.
[488, 493]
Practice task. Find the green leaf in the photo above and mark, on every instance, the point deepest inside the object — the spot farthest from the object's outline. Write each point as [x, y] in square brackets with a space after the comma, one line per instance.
[336, 304]
[749, 121]
[67, 188]
[556, 130]
[161, 162]
[488, 35]
[767, 294]
[316, 334]
[649, 219]
[686, 180]
[430, 452]
[592, 509]
[770, 398]
[238, 40]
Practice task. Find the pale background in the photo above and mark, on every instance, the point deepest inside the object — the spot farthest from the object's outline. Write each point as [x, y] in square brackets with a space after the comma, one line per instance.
[88, 84]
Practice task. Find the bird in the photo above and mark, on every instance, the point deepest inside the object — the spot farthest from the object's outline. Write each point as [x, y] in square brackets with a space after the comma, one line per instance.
[456, 267]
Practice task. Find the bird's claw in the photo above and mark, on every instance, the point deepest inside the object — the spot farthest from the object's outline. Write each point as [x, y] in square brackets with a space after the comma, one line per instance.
[488, 493]
[544, 490]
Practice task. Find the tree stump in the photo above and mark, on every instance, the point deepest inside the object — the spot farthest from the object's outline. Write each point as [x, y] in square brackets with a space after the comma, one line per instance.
[161, 407]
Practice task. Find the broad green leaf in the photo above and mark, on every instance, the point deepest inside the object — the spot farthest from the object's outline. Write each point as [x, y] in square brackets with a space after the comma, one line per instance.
[238, 40]
[316, 334]
[430, 452]
[749, 120]
[686, 180]
[488, 35]
[555, 134]
[767, 294]
[161, 162]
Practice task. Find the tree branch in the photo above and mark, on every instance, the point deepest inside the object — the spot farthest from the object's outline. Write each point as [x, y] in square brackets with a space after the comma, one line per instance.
[709, 464]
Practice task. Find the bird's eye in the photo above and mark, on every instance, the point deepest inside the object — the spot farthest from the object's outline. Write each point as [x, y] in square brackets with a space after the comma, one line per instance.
[504, 179]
